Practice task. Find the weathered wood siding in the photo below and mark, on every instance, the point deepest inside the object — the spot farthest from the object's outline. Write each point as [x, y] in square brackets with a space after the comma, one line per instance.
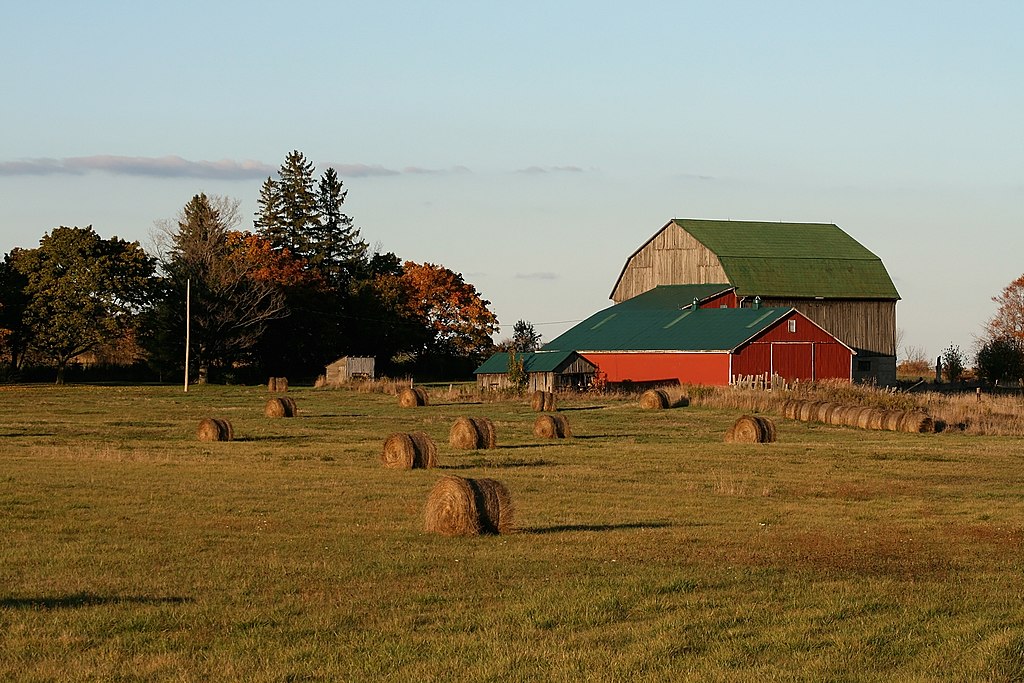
[867, 326]
[344, 369]
[672, 257]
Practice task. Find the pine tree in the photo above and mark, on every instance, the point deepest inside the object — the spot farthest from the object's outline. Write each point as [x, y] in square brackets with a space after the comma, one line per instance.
[299, 210]
[337, 249]
[269, 221]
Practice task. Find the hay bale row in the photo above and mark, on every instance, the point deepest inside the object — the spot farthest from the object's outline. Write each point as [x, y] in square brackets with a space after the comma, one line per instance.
[277, 385]
[863, 417]
[215, 429]
[471, 433]
[551, 427]
[412, 397]
[468, 507]
[542, 401]
[751, 429]
[281, 407]
[409, 451]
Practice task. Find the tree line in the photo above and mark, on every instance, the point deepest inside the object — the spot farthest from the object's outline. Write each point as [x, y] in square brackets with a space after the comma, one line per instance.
[299, 290]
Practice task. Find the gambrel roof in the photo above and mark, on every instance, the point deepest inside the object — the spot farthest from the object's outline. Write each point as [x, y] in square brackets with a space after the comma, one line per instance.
[798, 260]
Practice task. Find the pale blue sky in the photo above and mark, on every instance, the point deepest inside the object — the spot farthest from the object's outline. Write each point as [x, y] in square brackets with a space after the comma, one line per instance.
[533, 146]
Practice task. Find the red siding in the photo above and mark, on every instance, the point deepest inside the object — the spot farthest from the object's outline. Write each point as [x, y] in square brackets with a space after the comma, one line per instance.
[687, 368]
[724, 300]
[808, 353]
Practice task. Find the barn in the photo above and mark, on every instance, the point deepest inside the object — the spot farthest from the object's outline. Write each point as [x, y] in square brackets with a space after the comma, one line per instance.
[545, 371]
[656, 337]
[815, 268]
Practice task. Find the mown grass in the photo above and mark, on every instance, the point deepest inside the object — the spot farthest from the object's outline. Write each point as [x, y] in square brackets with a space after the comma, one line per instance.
[647, 549]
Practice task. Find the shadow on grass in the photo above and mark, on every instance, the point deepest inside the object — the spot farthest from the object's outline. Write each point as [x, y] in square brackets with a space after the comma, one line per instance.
[566, 410]
[525, 445]
[500, 464]
[14, 435]
[88, 600]
[562, 528]
[276, 437]
[604, 436]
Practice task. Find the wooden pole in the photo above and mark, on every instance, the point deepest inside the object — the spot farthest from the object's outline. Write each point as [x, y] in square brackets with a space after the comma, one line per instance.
[188, 325]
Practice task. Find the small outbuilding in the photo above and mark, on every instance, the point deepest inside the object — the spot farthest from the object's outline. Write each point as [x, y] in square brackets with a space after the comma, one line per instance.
[545, 371]
[349, 368]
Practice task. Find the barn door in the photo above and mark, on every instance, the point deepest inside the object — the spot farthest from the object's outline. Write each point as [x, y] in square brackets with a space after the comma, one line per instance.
[792, 361]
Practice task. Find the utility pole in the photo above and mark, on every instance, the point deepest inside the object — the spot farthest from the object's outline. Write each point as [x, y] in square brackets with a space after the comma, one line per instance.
[188, 325]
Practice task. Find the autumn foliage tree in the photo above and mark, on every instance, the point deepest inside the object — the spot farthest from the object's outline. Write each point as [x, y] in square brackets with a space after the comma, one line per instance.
[1009, 318]
[459, 320]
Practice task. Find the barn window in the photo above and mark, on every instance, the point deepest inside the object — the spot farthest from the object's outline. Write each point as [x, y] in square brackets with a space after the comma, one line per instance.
[863, 366]
[792, 326]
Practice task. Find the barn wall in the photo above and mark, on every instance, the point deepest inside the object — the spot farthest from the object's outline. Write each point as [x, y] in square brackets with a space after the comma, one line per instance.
[868, 326]
[726, 300]
[807, 353]
[686, 368]
[672, 257]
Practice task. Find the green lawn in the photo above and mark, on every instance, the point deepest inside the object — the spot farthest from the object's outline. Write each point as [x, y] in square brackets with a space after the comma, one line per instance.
[646, 548]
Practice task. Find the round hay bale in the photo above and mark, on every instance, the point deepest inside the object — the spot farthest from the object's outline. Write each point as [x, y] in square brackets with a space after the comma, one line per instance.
[215, 429]
[542, 401]
[551, 427]
[768, 430]
[838, 416]
[279, 407]
[654, 399]
[464, 434]
[807, 409]
[825, 410]
[452, 509]
[877, 419]
[412, 397]
[293, 409]
[917, 422]
[471, 433]
[277, 384]
[791, 408]
[862, 417]
[488, 434]
[497, 505]
[746, 429]
[426, 450]
[399, 452]
[891, 420]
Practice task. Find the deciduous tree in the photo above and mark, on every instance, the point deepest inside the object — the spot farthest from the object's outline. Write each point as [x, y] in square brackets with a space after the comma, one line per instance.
[458, 318]
[1009, 318]
[81, 291]
[233, 295]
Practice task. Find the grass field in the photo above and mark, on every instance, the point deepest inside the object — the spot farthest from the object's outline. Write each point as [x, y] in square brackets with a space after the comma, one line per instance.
[646, 548]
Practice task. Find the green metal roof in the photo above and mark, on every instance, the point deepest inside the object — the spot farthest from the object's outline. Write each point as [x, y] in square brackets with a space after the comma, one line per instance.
[793, 259]
[635, 328]
[539, 361]
[674, 296]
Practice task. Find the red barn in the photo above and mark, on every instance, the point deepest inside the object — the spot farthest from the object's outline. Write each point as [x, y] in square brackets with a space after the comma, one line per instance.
[690, 334]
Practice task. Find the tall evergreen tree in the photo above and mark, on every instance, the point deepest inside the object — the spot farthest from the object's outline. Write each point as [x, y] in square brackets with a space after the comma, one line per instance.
[300, 213]
[337, 250]
[269, 219]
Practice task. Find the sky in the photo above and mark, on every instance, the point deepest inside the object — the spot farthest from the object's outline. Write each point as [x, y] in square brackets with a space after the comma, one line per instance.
[533, 146]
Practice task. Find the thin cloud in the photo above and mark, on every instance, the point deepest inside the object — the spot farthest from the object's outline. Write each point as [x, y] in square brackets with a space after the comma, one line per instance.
[538, 170]
[418, 170]
[154, 167]
[537, 276]
[177, 167]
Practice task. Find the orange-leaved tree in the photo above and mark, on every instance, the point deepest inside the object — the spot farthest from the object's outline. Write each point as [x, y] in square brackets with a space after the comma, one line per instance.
[458, 318]
[1008, 322]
